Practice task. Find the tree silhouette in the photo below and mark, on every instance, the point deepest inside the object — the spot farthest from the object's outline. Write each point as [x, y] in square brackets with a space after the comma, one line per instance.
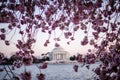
[72, 58]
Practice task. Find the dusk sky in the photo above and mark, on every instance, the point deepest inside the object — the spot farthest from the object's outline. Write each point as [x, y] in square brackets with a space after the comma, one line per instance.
[74, 47]
[38, 47]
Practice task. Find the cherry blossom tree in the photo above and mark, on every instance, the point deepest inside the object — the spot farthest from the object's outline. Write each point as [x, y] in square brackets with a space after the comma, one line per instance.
[100, 18]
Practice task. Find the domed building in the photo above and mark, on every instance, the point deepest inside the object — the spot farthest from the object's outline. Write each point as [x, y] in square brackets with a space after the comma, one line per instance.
[59, 54]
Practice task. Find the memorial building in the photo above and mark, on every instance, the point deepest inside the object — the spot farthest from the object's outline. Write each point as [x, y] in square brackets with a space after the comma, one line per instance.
[59, 54]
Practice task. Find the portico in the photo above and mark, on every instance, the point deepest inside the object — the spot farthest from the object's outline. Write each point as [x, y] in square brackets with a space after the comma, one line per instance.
[58, 54]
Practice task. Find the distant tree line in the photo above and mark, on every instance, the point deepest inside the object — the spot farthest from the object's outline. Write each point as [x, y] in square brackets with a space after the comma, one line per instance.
[76, 57]
[73, 58]
[88, 58]
[9, 61]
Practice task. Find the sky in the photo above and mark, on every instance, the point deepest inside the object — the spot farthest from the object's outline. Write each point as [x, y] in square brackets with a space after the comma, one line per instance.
[74, 47]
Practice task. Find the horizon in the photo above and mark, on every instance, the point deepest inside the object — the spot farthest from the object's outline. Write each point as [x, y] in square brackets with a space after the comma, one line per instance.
[39, 48]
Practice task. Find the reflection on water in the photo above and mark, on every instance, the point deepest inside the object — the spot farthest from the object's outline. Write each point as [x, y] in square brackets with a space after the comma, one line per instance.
[58, 72]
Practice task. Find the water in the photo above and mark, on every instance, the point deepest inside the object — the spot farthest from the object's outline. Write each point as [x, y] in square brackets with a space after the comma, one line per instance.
[58, 72]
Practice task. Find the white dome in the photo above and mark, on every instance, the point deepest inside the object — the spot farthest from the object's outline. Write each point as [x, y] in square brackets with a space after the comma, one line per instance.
[58, 49]
[58, 54]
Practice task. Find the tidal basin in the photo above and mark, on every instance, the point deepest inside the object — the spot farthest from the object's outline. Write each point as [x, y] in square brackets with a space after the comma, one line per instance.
[63, 71]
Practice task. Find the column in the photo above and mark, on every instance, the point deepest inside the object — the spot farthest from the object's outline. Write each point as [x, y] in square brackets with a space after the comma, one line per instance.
[62, 56]
[56, 56]
[53, 56]
[65, 56]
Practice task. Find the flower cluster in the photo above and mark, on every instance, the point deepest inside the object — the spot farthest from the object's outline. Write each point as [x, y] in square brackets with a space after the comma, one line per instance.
[44, 66]
[41, 76]
[110, 67]
[75, 67]
[90, 58]
[27, 60]
[100, 18]
[26, 76]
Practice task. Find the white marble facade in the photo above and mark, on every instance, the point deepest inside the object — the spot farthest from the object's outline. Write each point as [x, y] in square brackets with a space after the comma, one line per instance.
[58, 54]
